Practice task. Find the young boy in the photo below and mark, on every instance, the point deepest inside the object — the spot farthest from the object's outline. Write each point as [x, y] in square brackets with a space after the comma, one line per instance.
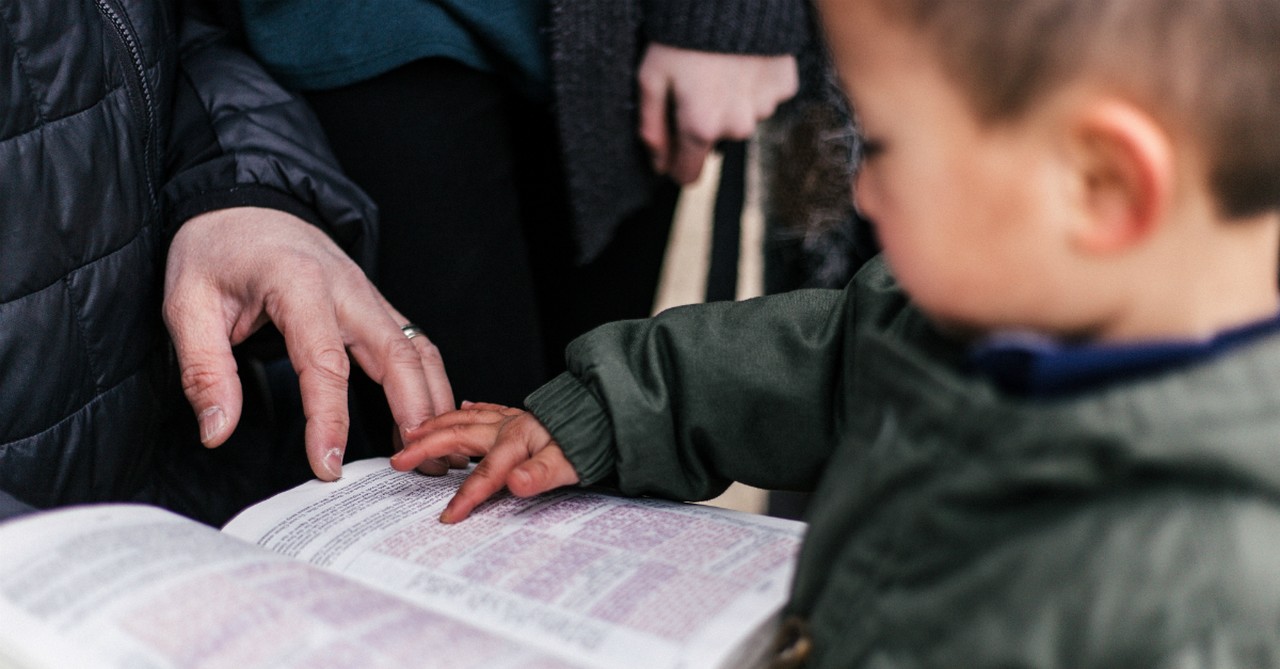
[1065, 450]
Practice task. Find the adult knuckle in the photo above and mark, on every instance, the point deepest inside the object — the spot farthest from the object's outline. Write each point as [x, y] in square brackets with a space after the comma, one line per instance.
[764, 109]
[199, 377]
[173, 309]
[330, 362]
[651, 80]
[400, 351]
[332, 422]
[295, 261]
[346, 270]
[700, 133]
[741, 124]
[429, 353]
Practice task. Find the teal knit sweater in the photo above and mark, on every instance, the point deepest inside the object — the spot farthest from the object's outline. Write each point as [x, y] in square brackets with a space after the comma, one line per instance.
[317, 45]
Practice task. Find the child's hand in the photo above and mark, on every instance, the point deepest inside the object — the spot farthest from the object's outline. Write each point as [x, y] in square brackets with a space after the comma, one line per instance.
[435, 466]
[519, 454]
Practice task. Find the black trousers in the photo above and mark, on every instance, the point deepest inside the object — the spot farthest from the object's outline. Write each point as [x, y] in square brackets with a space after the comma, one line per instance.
[475, 241]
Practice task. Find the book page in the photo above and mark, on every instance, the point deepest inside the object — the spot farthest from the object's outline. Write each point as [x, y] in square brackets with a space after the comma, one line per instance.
[604, 580]
[134, 586]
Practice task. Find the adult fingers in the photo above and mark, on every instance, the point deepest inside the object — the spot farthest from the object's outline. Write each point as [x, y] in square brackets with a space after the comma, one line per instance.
[317, 350]
[433, 467]
[438, 387]
[655, 117]
[441, 466]
[689, 156]
[785, 77]
[208, 370]
[372, 329]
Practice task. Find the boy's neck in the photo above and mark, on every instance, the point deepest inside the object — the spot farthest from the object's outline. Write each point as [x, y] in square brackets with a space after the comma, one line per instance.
[1195, 285]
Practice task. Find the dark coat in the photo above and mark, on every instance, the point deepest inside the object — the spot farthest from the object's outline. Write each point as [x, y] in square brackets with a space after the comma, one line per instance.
[119, 120]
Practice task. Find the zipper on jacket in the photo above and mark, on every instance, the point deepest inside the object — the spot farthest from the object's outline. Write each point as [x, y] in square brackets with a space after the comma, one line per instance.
[140, 94]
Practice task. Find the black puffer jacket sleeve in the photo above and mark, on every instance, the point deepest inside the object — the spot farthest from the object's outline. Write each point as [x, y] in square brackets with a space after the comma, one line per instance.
[240, 139]
[11, 508]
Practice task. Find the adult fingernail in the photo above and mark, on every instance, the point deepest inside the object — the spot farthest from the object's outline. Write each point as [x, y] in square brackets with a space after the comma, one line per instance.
[212, 420]
[332, 463]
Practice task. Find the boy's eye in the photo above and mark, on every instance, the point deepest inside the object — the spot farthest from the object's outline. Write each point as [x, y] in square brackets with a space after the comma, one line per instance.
[869, 148]
[864, 147]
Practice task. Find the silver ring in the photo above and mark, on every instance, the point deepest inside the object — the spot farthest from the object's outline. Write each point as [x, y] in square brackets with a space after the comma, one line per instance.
[410, 331]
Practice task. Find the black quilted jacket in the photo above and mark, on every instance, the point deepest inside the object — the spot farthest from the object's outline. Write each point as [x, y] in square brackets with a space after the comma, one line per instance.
[118, 120]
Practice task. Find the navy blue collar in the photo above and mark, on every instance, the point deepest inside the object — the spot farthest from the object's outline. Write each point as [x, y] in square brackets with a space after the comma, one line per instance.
[1040, 367]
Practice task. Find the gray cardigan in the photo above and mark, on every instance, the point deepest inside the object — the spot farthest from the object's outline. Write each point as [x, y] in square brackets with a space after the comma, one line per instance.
[595, 50]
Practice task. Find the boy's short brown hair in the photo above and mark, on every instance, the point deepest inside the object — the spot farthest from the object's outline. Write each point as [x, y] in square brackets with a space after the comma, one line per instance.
[1208, 68]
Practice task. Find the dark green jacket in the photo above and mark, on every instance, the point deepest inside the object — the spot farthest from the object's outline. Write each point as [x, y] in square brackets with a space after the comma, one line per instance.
[952, 526]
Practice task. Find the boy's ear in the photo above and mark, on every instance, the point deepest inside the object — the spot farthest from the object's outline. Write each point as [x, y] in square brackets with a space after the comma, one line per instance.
[1126, 165]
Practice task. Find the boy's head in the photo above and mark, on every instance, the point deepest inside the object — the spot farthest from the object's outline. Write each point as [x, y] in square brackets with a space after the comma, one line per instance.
[1043, 163]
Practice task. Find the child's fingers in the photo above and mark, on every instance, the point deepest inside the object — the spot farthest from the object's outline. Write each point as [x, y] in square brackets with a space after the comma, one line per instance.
[546, 470]
[489, 477]
[490, 406]
[459, 439]
[470, 414]
[519, 440]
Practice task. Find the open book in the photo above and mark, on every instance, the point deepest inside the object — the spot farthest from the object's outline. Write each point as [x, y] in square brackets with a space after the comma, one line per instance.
[359, 573]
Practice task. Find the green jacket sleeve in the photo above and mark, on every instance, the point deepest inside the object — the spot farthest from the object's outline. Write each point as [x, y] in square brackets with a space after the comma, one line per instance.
[683, 403]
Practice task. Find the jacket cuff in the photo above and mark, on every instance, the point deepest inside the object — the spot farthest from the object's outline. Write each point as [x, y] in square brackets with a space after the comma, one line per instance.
[12, 507]
[760, 27]
[246, 195]
[579, 423]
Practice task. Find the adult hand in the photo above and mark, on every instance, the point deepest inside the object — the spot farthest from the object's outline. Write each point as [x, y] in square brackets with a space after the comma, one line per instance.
[708, 97]
[231, 271]
[519, 454]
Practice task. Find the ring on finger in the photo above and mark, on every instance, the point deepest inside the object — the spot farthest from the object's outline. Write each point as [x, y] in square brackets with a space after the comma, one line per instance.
[410, 331]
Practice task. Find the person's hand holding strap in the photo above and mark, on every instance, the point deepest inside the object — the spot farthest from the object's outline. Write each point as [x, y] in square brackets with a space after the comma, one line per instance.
[518, 451]
[689, 100]
[233, 270]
